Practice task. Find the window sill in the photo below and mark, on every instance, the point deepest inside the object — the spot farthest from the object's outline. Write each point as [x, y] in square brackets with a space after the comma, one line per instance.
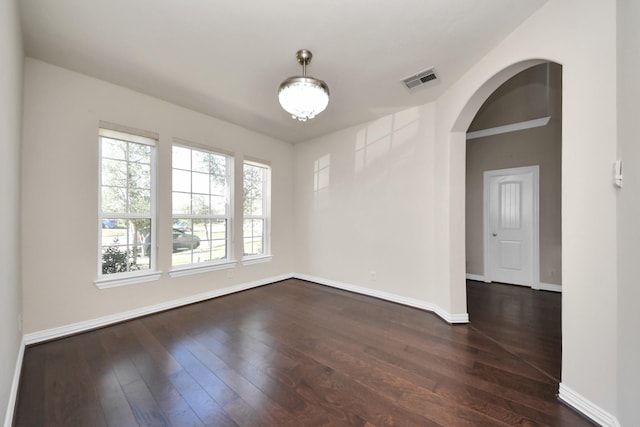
[197, 269]
[106, 283]
[258, 259]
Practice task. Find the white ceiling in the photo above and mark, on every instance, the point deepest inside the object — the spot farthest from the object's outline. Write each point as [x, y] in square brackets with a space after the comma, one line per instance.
[226, 58]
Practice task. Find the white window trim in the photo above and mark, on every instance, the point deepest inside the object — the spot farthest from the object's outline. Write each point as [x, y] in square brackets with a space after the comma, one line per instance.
[114, 131]
[125, 279]
[202, 268]
[256, 259]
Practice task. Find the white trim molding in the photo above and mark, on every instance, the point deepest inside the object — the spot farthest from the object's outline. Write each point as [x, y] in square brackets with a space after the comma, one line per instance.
[107, 282]
[586, 407]
[477, 278]
[411, 302]
[257, 259]
[74, 328]
[13, 393]
[550, 287]
[201, 268]
[513, 127]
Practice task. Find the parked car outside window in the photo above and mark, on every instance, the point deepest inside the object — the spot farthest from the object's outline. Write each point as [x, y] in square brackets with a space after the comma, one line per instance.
[181, 240]
[109, 223]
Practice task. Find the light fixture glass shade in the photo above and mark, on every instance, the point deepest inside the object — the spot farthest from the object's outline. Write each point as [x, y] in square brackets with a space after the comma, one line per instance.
[303, 97]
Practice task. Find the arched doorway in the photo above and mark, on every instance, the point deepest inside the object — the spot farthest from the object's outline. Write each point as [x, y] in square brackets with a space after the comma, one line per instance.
[518, 127]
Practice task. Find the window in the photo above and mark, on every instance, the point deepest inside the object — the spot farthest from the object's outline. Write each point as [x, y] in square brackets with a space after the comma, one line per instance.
[255, 228]
[201, 206]
[126, 204]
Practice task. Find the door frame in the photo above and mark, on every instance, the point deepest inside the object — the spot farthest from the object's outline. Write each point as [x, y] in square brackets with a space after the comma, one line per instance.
[535, 229]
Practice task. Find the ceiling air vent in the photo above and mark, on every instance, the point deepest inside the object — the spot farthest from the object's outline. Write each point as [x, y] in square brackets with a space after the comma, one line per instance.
[420, 78]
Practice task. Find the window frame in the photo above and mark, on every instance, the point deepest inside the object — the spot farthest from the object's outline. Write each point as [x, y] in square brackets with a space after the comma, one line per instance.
[266, 255]
[128, 135]
[216, 264]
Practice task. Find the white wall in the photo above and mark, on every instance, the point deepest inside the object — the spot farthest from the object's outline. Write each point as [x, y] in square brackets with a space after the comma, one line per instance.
[60, 193]
[628, 212]
[418, 189]
[12, 59]
[367, 220]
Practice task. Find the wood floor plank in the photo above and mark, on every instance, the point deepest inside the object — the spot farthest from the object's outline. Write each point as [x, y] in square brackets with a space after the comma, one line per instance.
[31, 392]
[295, 353]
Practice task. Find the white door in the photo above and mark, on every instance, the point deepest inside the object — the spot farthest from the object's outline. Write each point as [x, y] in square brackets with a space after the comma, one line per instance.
[511, 226]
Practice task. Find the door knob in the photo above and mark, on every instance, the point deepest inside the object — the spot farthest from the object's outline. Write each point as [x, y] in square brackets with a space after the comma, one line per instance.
[494, 234]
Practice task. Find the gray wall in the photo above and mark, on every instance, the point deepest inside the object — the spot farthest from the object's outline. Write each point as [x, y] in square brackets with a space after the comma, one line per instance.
[12, 59]
[628, 212]
[524, 97]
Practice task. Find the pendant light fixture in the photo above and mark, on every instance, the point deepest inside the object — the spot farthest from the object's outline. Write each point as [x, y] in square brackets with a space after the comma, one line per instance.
[301, 96]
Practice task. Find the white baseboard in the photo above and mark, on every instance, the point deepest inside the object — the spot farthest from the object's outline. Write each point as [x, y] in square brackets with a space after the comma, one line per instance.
[542, 286]
[477, 278]
[48, 334]
[13, 393]
[411, 302]
[586, 407]
[550, 287]
[74, 328]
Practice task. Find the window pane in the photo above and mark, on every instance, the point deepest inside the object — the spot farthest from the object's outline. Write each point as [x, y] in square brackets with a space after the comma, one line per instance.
[218, 167]
[114, 149]
[139, 200]
[114, 173]
[200, 182]
[188, 245]
[181, 158]
[181, 203]
[218, 239]
[181, 181]
[183, 224]
[124, 247]
[200, 204]
[139, 175]
[201, 162]
[218, 205]
[114, 200]
[218, 185]
[140, 153]
[256, 206]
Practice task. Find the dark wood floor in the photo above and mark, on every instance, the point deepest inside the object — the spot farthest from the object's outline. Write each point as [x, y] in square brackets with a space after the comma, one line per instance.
[525, 322]
[288, 354]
